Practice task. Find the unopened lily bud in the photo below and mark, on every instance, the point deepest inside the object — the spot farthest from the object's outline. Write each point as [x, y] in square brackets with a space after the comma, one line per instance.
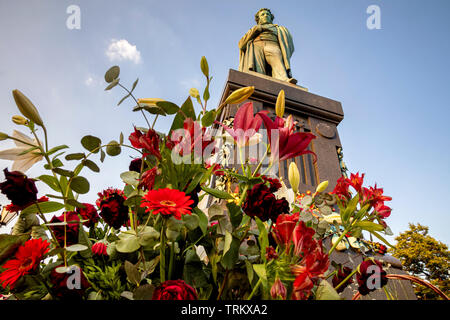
[240, 95]
[279, 106]
[322, 186]
[150, 101]
[294, 177]
[27, 108]
[3, 136]
[194, 93]
[278, 289]
[19, 120]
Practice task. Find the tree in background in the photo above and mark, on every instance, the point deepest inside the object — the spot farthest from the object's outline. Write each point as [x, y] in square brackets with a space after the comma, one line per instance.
[424, 257]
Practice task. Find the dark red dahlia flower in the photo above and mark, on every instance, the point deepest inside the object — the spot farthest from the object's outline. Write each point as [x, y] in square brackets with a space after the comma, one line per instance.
[262, 203]
[18, 188]
[342, 273]
[70, 285]
[135, 165]
[88, 213]
[112, 209]
[26, 260]
[370, 276]
[274, 183]
[167, 202]
[71, 228]
[174, 290]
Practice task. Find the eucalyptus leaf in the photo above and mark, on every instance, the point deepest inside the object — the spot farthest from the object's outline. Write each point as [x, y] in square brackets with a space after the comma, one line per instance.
[168, 107]
[113, 148]
[91, 165]
[91, 143]
[112, 74]
[75, 156]
[80, 185]
[112, 84]
[130, 177]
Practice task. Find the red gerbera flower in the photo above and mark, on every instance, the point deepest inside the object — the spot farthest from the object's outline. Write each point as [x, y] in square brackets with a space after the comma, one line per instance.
[27, 260]
[167, 202]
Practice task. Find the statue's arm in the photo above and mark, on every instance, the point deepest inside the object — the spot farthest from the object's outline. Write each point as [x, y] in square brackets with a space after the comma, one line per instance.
[251, 34]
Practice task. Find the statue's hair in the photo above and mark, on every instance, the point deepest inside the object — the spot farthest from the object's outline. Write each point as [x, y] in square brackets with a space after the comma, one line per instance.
[257, 14]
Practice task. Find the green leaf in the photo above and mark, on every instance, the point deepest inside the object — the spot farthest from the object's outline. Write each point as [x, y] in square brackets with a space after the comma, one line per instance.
[230, 258]
[369, 226]
[217, 193]
[134, 84]
[168, 107]
[56, 149]
[91, 165]
[203, 220]
[263, 237]
[102, 155]
[112, 84]
[113, 149]
[9, 244]
[75, 203]
[153, 109]
[76, 247]
[44, 207]
[121, 138]
[208, 118]
[204, 67]
[63, 172]
[206, 93]
[250, 273]
[228, 240]
[133, 274]
[112, 74]
[326, 292]
[51, 181]
[130, 177]
[144, 292]
[80, 185]
[376, 234]
[123, 99]
[91, 143]
[75, 156]
[191, 221]
[188, 110]
[235, 213]
[260, 270]
[127, 243]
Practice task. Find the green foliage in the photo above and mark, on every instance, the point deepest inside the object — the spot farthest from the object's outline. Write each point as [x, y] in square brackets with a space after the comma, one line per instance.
[425, 257]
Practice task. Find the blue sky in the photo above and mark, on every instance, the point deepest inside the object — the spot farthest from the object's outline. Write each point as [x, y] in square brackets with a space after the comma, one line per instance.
[393, 83]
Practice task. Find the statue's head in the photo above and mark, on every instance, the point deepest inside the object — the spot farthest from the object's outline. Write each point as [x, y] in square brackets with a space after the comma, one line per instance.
[264, 16]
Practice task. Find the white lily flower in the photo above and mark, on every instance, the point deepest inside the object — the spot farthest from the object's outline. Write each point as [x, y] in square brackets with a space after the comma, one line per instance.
[22, 162]
[287, 193]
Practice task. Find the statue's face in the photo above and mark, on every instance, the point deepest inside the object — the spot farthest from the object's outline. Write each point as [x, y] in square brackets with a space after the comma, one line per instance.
[265, 17]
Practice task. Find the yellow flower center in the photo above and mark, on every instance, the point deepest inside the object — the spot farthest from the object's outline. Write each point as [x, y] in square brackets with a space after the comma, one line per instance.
[168, 203]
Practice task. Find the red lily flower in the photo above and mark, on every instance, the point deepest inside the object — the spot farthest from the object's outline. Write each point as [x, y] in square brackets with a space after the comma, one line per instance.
[374, 195]
[246, 125]
[289, 144]
[148, 141]
[382, 210]
[284, 229]
[341, 188]
[193, 138]
[356, 181]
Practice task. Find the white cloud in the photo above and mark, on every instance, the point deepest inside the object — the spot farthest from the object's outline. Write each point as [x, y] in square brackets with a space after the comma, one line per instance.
[123, 50]
[89, 81]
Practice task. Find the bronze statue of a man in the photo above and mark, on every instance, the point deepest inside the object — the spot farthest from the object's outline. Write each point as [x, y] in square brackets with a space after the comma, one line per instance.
[266, 48]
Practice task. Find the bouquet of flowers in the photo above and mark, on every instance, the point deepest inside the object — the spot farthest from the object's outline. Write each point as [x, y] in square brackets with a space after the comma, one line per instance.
[171, 232]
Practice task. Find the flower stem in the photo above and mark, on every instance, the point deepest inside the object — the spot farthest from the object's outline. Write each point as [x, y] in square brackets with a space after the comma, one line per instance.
[337, 242]
[346, 279]
[255, 289]
[172, 254]
[162, 253]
